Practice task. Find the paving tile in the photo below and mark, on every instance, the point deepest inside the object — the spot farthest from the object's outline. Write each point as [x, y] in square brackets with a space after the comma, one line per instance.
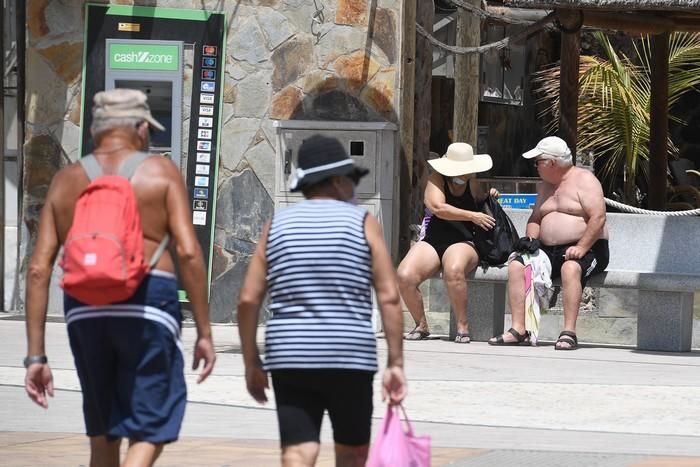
[10, 438]
[445, 456]
[545, 458]
[21, 449]
[25, 449]
[669, 462]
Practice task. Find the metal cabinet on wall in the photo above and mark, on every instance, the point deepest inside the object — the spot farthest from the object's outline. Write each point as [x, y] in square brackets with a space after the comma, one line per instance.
[370, 144]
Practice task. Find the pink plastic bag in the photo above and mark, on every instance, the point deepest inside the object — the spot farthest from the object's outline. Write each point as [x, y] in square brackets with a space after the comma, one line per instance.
[394, 447]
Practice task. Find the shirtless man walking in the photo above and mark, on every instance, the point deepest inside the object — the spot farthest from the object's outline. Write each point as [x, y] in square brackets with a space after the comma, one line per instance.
[128, 354]
[568, 224]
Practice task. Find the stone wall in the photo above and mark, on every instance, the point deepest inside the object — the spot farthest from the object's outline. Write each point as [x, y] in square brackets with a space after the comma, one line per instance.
[286, 59]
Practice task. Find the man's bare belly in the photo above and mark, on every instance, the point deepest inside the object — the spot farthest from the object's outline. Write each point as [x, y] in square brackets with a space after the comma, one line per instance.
[557, 228]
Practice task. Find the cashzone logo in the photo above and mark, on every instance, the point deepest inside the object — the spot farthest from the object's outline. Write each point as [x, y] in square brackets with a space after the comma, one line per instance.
[144, 57]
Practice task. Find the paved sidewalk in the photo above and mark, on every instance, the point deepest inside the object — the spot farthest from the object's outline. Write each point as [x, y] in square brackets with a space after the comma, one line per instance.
[482, 406]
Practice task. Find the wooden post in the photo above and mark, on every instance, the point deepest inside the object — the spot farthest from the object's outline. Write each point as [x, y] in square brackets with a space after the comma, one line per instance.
[568, 81]
[407, 93]
[466, 106]
[425, 16]
[658, 141]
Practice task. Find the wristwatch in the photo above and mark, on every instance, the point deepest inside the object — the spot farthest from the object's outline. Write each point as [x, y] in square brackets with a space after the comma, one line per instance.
[31, 360]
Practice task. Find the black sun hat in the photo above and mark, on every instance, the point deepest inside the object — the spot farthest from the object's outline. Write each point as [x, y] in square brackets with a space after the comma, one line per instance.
[321, 157]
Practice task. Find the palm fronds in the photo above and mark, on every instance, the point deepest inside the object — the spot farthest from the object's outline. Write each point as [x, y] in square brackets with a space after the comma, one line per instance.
[614, 99]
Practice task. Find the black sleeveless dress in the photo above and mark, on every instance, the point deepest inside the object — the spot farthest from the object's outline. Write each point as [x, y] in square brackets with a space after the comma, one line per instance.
[441, 234]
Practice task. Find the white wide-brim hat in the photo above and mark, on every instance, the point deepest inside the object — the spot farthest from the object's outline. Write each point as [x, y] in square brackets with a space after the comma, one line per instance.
[461, 160]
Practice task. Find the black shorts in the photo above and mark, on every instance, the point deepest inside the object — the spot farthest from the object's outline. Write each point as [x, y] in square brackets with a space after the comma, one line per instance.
[442, 234]
[441, 247]
[594, 261]
[303, 395]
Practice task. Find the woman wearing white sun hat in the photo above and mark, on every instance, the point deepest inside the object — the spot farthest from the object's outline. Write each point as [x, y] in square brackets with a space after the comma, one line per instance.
[452, 194]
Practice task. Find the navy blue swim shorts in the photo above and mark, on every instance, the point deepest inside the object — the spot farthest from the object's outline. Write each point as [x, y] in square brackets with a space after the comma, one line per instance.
[130, 363]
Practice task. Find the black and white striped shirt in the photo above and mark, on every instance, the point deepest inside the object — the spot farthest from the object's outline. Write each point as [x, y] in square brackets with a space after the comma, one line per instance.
[319, 275]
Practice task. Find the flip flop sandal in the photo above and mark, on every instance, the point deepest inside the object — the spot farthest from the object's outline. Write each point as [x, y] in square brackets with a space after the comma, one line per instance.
[520, 338]
[567, 337]
[416, 335]
[462, 338]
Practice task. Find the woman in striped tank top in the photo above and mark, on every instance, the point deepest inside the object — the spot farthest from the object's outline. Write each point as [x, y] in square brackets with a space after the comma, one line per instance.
[318, 261]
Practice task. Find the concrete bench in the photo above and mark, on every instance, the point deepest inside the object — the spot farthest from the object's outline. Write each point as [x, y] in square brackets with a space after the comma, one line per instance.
[657, 255]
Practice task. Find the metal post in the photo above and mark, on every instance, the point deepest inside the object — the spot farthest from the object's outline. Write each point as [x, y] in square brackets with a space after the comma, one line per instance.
[2, 165]
[20, 31]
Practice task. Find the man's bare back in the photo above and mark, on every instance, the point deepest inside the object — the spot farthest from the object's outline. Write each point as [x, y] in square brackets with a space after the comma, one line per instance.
[563, 207]
[160, 194]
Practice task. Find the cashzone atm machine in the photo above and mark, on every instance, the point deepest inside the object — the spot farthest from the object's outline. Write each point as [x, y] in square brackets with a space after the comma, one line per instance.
[177, 58]
[159, 74]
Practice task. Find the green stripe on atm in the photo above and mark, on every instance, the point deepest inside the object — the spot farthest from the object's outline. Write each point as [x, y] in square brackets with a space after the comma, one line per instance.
[182, 296]
[158, 12]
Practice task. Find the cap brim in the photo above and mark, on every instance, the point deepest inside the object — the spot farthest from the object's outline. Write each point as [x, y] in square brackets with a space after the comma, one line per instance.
[154, 123]
[358, 173]
[532, 153]
[353, 171]
[450, 168]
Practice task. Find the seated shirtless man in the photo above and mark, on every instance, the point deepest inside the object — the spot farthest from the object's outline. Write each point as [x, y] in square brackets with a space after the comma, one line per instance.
[568, 224]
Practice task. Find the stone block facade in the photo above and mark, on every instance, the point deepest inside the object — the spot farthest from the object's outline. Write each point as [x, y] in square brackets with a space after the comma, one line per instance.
[285, 59]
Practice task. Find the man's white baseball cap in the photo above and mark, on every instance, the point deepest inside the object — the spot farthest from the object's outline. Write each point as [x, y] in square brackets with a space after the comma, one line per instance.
[551, 147]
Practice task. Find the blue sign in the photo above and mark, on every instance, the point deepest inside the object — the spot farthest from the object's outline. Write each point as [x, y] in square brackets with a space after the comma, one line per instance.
[518, 200]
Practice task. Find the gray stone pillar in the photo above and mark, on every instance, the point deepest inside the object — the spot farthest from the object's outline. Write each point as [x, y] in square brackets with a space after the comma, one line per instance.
[665, 321]
[486, 304]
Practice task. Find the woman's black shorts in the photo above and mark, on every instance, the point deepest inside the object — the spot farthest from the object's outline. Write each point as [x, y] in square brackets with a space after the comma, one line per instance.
[303, 395]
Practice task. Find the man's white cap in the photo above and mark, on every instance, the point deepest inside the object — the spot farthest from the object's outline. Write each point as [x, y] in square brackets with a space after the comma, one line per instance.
[551, 147]
[123, 103]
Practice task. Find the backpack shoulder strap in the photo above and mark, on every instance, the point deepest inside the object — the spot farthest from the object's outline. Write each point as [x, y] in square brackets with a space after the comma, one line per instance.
[127, 170]
[159, 251]
[128, 167]
[91, 166]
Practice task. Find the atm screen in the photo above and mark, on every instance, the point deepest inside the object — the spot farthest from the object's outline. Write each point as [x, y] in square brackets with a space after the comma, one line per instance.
[160, 97]
[162, 139]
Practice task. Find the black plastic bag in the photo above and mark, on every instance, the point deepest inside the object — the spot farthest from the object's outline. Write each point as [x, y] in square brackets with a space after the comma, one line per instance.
[495, 245]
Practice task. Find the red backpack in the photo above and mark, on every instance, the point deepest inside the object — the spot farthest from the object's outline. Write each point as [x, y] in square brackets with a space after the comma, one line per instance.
[103, 257]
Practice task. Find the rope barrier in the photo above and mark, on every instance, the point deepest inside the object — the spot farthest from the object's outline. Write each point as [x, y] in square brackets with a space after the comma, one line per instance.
[531, 29]
[632, 209]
